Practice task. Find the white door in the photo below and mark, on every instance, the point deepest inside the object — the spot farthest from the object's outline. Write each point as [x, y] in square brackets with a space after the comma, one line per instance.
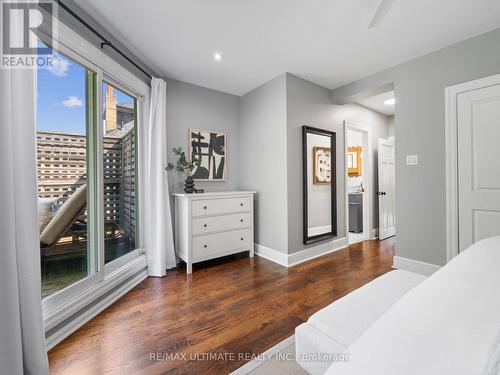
[386, 198]
[478, 164]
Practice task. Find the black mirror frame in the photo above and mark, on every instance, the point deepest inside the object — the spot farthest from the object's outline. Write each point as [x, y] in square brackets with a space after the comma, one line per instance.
[320, 237]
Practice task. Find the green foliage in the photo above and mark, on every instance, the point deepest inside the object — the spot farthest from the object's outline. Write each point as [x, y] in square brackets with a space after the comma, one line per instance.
[183, 165]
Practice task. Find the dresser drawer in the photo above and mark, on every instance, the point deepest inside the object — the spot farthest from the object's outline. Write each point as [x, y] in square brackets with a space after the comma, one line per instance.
[220, 206]
[204, 247]
[212, 224]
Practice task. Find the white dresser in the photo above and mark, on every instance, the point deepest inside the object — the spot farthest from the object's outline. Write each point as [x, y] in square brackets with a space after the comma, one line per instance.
[212, 225]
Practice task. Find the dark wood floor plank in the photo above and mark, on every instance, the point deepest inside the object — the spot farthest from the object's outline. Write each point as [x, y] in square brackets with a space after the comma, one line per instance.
[234, 305]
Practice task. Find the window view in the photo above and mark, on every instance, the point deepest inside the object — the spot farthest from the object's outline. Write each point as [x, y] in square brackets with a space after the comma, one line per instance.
[68, 166]
[119, 172]
[62, 144]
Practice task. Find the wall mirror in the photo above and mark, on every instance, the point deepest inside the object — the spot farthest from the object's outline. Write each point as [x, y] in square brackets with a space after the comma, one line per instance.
[354, 161]
[319, 184]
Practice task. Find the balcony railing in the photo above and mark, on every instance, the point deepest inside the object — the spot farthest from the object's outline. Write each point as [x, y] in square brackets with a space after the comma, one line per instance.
[61, 159]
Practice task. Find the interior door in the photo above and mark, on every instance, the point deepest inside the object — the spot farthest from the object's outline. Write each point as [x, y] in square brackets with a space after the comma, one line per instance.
[478, 164]
[386, 180]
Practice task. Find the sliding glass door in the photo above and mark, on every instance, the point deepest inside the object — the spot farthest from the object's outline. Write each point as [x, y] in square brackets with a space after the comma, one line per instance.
[87, 176]
[64, 138]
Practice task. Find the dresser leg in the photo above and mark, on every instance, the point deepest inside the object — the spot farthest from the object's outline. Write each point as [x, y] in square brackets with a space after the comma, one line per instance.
[251, 253]
[189, 268]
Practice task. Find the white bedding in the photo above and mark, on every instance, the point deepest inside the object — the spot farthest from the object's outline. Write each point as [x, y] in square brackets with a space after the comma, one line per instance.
[449, 324]
[332, 329]
[347, 318]
[311, 345]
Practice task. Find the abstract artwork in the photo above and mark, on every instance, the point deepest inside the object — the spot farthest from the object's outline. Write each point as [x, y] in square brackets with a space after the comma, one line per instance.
[322, 171]
[211, 149]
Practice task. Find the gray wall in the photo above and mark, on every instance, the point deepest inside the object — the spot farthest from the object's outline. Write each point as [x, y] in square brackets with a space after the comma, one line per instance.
[263, 160]
[190, 106]
[265, 146]
[390, 120]
[309, 104]
[378, 122]
[420, 129]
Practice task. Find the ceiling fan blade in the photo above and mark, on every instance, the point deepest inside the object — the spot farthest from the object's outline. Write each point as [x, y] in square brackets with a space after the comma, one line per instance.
[382, 10]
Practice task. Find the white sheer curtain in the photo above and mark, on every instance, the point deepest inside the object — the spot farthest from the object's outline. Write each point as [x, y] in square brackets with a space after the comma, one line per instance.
[22, 337]
[157, 221]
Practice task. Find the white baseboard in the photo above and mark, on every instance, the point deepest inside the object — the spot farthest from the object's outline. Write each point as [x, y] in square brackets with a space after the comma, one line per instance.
[317, 251]
[301, 256]
[262, 358]
[357, 237]
[415, 266]
[271, 254]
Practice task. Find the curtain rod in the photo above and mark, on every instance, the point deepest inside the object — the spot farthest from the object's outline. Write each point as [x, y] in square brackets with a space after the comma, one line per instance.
[104, 41]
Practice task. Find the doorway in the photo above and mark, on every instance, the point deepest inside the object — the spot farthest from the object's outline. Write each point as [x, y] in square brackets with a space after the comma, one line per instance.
[379, 181]
[358, 177]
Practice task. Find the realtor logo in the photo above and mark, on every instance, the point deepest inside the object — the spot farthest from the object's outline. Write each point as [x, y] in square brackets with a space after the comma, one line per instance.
[24, 25]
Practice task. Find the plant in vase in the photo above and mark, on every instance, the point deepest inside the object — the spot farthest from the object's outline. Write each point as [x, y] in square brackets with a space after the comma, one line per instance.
[184, 166]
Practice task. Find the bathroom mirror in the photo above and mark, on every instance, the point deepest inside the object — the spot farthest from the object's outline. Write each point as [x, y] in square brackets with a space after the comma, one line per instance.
[354, 161]
[319, 184]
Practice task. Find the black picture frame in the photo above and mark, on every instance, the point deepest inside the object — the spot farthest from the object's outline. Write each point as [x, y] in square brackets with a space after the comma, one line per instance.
[333, 165]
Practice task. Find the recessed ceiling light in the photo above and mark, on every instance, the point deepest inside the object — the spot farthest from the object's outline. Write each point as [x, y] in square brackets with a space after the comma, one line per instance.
[217, 56]
[390, 101]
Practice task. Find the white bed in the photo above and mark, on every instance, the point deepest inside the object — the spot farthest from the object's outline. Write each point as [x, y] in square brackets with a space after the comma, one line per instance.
[448, 324]
[332, 329]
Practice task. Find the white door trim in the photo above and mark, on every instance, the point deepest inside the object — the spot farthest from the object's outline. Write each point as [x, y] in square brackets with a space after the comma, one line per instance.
[367, 232]
[451, 109]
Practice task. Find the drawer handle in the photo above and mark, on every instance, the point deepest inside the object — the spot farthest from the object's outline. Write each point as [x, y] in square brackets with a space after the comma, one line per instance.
[241, 238]
[241, 220]
[241, 204]
[205, 246]
[205, 225]
[205, 207]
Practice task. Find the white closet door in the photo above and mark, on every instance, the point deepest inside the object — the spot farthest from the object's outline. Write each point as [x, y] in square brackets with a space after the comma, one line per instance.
[478, 164]
[386, 185]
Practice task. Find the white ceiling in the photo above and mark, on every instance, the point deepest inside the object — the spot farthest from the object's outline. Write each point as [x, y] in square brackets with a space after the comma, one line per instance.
[377, 103]
[325, 41]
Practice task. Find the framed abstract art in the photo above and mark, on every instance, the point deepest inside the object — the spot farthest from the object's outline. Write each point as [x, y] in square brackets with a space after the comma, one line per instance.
[210, 147]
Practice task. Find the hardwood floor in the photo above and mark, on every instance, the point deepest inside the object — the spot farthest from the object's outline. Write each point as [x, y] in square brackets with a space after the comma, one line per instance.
[226, 310]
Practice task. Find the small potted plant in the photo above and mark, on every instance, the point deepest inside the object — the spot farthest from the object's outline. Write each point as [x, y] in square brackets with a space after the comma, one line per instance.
[186, 167]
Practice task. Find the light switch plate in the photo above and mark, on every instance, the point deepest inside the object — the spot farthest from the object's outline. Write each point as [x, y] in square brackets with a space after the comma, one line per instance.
[411, 159]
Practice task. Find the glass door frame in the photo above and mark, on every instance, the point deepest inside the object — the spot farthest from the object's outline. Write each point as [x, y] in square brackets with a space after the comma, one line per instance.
[117, 263]
[58, 306]
[92, 161]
